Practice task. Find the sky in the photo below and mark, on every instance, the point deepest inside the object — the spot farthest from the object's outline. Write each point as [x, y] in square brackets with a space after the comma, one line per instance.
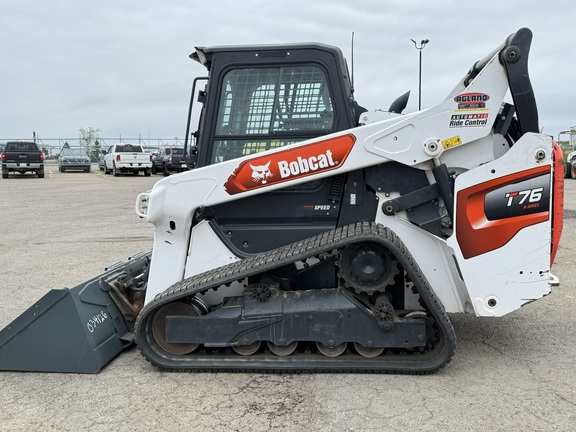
[122, 66]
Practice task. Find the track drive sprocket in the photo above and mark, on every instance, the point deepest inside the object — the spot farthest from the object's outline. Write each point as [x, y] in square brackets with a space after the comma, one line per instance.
[367, 267]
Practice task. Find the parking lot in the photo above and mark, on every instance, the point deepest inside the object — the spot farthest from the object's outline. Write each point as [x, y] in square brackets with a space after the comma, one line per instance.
[510, 373]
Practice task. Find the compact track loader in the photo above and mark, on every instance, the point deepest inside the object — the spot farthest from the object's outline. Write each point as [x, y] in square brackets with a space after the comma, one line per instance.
[317, 236]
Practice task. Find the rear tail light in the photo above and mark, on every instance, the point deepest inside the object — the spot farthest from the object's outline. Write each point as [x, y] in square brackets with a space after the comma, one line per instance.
[41, 156]
[150, 158]
[117, 158]
[3, 156]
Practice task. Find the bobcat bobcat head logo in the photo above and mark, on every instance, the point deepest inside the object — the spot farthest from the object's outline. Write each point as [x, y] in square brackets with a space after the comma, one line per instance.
[260, 173]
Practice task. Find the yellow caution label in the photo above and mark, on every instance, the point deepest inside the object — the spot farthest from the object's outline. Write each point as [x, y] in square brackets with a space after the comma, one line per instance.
[451, 142]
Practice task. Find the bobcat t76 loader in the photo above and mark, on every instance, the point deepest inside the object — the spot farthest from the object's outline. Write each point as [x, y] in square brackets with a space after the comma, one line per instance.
[315, 235]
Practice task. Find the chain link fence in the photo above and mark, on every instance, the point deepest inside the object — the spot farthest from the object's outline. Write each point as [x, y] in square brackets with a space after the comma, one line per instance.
[51, 147]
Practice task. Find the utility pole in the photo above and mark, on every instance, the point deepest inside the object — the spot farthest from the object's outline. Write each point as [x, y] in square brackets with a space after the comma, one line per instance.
[420, 48]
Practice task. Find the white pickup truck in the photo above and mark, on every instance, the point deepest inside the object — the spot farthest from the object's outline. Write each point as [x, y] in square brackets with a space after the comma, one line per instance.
[570, 165]
[124, 158]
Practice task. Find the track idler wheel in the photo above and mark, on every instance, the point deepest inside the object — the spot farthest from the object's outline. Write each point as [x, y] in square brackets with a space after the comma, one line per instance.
[367, 267]
[159, 326]
[432, 332]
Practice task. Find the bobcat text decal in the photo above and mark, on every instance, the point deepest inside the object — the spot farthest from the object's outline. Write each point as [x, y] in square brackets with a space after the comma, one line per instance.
[290, 164]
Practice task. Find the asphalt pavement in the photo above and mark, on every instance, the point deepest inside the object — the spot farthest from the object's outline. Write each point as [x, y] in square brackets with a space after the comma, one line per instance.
[514, 373]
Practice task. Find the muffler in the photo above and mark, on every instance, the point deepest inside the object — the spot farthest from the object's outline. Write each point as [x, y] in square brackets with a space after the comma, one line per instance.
[81, 329]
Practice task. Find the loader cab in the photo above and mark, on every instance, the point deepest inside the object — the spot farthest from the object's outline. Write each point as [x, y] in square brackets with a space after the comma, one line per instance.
[262, 97]
[259, 98]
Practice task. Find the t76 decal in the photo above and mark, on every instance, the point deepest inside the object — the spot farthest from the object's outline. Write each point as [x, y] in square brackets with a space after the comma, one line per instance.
[519, 199]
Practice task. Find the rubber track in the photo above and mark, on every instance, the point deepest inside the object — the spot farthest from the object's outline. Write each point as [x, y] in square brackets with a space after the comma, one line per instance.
[206, 360]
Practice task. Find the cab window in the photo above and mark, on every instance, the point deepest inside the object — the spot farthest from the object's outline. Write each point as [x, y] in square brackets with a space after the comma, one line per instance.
[264, 108]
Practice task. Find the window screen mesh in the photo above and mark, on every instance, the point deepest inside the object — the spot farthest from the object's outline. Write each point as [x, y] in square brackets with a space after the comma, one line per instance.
[263, 108]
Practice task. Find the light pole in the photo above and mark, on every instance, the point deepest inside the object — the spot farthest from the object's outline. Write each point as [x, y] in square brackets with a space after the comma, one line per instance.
[420, 48]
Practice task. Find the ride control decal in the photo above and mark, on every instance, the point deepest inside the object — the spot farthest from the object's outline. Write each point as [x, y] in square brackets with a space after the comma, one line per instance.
[290, 164]
[469, 120]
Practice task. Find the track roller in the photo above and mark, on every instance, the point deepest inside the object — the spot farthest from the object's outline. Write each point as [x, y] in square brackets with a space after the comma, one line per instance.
[247, 350]
[331, 351]
[367, 352]
[283, 350]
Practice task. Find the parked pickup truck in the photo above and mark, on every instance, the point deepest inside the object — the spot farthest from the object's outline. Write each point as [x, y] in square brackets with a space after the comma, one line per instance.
[22, 157]
[169, 159]
[570, 166]
[125, 158]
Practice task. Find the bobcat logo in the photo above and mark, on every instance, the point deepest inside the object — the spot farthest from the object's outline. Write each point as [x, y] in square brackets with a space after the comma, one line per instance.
[290, 165]
[261, 173]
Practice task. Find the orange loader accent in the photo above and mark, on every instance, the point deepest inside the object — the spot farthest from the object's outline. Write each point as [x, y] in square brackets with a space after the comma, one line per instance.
[557, 200]
[476, 234]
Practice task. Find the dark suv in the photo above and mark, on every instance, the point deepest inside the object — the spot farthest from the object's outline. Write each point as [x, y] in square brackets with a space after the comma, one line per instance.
[169, 159]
